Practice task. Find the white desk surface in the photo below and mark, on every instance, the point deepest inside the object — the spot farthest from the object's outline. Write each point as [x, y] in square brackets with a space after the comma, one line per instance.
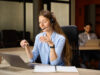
[19, 71]
[5, 69]
[8, 70]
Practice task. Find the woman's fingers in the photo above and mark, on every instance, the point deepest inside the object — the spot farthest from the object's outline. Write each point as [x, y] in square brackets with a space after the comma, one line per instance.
[24, 43]
[44, 39]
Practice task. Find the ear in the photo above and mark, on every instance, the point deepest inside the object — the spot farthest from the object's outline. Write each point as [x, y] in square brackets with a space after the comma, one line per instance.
[51, 20]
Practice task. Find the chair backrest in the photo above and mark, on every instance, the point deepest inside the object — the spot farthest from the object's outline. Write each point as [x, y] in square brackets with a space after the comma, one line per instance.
[20, 35]
[9, 38]
[72, 34]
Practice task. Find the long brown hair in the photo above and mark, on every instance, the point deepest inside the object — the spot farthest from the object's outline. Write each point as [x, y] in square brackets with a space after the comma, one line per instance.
[67, 53]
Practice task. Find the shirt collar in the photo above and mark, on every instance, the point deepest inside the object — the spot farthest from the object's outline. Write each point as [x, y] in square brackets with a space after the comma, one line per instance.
[53, 35]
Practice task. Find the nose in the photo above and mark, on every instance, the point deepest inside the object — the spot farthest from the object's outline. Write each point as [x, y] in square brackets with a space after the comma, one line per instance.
[41, 24]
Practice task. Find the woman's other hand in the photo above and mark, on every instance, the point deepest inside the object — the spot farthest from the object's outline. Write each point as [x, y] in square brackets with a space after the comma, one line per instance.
[24, 43]
[47, 40]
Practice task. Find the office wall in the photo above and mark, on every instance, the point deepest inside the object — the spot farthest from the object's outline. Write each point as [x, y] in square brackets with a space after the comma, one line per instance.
[61, 12]
[73, 12]
[66, 12]
[29, 18]
[11, 15]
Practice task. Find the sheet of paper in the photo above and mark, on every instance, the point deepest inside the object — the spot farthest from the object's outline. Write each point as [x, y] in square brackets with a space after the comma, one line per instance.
[42, 68]
[66, 69]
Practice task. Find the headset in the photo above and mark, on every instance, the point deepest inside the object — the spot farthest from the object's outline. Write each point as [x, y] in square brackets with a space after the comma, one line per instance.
[51, 20]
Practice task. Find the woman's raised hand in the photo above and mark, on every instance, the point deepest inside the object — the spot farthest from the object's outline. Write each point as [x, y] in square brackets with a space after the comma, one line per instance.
[24, 43]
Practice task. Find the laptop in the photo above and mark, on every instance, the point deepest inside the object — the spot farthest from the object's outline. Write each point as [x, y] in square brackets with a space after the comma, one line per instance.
[16, 61]
[93, 43]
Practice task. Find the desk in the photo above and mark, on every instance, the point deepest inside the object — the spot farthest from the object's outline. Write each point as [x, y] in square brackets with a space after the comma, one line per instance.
[89, 48]
[0, 59]
[90, 55]
[5, 69]
[20, 71]
[16, 50]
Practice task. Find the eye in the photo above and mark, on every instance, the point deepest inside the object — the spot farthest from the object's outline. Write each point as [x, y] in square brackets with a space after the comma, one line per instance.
[44, 21]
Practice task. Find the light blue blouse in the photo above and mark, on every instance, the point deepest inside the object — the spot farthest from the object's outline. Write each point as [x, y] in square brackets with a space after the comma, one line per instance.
[43, 49]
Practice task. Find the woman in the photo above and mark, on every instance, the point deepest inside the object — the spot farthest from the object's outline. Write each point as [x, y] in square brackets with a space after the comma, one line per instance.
[51, 44]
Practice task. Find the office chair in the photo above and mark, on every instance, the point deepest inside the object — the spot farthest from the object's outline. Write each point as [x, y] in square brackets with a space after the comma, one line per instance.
[72, 34]
[9, 38]
[27, 37]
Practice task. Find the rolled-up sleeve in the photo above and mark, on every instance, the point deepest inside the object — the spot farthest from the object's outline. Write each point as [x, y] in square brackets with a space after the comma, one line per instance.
[58, 49]
[35, 50]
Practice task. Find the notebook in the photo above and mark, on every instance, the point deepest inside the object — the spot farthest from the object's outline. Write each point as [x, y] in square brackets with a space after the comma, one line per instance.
[93, 43]
[16, 61]
[48, 68]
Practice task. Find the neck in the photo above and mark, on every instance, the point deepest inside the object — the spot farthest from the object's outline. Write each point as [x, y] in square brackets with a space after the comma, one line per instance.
[49, 33]
[86, 32]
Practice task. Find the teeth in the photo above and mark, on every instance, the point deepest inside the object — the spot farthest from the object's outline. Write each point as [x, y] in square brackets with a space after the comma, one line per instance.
[43, 28]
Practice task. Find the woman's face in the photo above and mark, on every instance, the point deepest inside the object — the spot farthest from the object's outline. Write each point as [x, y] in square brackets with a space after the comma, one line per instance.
[87, 28]
[44, 24]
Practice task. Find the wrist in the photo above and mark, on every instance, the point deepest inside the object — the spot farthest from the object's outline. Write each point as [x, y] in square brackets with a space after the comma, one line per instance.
[50, 43]
[53, 46]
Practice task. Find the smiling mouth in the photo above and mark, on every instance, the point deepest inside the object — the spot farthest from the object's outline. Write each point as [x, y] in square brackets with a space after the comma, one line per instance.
[44, 28]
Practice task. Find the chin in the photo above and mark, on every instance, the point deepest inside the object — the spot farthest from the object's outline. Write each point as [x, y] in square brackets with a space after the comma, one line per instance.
[45, 30]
